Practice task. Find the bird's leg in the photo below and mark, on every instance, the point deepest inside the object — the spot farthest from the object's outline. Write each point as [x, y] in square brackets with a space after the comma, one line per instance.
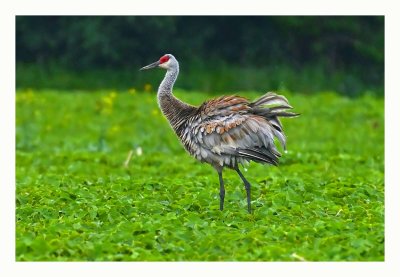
[221, 190]
[247, 186]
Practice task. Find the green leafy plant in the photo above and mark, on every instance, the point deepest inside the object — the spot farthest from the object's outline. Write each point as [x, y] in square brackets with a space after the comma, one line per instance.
[142, 198]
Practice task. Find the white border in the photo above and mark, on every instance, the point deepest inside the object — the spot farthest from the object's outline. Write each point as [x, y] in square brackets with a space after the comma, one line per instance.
[9, 267]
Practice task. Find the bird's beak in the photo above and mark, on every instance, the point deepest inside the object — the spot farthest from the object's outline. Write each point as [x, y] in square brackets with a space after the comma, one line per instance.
[153, 65]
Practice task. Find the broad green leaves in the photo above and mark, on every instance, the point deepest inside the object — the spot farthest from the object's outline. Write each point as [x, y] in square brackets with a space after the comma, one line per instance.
[78, 199]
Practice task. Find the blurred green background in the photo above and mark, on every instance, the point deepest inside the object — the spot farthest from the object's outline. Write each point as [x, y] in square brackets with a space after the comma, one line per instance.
[217, 53]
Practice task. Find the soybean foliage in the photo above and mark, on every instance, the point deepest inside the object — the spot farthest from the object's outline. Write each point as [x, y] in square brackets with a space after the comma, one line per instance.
[100, 176]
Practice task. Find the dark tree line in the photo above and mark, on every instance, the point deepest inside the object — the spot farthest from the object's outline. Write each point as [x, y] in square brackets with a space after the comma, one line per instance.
[85, 42]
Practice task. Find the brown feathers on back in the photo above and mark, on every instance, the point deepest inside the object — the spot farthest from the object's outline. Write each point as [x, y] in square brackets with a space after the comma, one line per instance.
[229, 130]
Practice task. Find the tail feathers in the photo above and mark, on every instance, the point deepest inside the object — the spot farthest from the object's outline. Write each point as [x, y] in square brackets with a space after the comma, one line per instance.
[283, 114]
[271, 98]
[274, 112]
[259, 156]
[272, 105]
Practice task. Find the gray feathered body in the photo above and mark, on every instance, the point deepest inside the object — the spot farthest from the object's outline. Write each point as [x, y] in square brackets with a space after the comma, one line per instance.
[228, 130]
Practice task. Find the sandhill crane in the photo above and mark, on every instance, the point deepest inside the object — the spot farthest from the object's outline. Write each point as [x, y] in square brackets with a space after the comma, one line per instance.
[225, 131]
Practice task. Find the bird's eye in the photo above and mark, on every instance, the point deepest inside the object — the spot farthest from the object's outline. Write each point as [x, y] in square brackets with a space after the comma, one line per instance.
[164, 59]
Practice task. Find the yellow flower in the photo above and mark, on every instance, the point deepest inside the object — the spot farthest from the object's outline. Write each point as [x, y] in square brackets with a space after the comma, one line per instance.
[132, 91]
[105, 105]
[113, 94]
[26, 96]
[148, 88]
[108, 101]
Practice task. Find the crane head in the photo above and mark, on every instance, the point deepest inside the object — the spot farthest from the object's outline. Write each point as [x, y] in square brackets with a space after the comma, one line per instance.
[167, 62]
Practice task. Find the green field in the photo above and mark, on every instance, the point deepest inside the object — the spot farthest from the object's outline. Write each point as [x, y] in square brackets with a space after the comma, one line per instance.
[76, 200]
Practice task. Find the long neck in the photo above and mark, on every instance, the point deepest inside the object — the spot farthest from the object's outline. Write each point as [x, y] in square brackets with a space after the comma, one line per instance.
[168, 83]
[174, 109]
